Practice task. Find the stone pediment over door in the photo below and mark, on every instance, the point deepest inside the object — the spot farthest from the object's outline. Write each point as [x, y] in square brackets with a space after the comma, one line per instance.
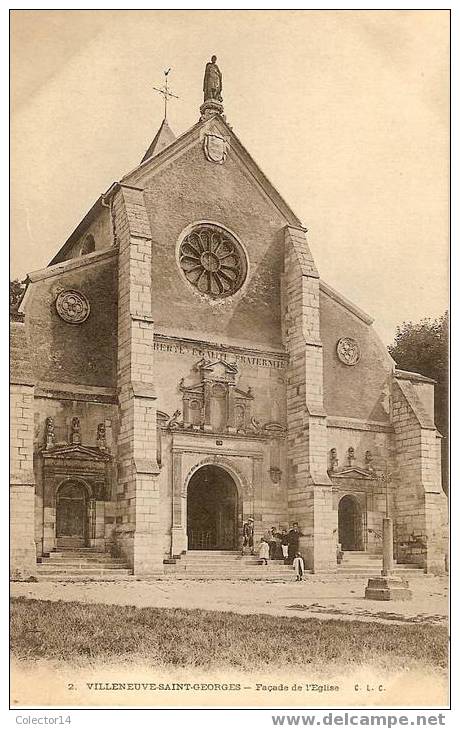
[354, 473]
[217, 370]
[76, 452]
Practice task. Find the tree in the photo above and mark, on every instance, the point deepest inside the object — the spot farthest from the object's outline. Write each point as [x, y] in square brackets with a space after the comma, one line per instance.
[424, 348]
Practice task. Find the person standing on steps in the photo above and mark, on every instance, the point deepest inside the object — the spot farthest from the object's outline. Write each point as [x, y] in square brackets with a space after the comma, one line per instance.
[264, 551]
[293, 541]
[248, 535]
[273, 543]
[284, 545]
[299, 567]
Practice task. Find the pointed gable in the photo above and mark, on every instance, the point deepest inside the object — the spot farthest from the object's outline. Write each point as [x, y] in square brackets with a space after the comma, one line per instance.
[162, 139]
[155, 162]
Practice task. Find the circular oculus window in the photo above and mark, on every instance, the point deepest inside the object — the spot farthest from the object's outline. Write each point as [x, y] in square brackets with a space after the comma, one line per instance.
[72, 306]
[213, 261]
[348, 351]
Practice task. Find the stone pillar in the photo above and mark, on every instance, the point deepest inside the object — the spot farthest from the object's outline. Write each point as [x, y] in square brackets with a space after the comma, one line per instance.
[309, 487]
[99, 525]
[421, 505]
[138, 520]
[387, 539]
[231, 409]
[255, 506]
[179, 514]
[207, 406]
[23, 560]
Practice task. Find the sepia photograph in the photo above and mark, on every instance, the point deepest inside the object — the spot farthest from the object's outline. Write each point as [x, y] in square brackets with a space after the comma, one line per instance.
[229, 358]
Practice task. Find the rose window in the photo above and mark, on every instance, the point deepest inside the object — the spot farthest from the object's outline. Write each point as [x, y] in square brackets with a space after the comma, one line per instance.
[72, 306]
[213, 261]
[348, 351]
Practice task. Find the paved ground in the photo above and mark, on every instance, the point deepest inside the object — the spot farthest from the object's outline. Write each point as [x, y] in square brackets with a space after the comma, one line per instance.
[315, 597]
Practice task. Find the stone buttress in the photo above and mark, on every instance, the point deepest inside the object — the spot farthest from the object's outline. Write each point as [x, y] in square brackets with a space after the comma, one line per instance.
[309, 488]
[138, 520]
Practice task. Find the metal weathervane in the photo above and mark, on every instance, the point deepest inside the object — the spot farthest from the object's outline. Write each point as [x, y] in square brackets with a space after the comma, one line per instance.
[167, 94]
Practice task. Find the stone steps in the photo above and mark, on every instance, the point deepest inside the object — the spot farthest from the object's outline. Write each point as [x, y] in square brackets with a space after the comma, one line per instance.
[376, 573]
[77, 559]
[245, 561]
[370, 565]
[74, 566]
[82, 577]
[83, 570]
[83, 563]
[226, 565]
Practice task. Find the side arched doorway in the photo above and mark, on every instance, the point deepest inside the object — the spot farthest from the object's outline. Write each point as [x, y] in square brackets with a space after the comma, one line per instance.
[72, 515]
[350, 524]
[212, 510]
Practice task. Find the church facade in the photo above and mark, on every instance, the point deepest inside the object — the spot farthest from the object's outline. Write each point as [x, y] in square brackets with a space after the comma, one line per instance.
[181, 366]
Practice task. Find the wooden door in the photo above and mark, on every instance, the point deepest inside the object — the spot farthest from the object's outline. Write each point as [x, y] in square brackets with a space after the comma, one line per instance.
[71, 516]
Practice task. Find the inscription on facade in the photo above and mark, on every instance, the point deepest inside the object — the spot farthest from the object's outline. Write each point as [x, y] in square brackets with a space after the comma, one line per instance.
[212, 354]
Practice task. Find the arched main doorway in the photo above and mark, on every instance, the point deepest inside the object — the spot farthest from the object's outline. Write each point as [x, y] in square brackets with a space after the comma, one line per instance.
[212, 510]
[350, 524]
[72, 515]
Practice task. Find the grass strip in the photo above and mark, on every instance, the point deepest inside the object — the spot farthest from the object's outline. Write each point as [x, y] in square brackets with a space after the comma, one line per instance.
[70, 631]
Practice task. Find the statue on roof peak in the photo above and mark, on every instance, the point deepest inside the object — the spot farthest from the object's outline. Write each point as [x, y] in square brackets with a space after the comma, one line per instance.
[212, 84]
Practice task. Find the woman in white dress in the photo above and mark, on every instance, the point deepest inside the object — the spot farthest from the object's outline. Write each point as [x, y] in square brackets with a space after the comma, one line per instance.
[264, 551]
[299, 567]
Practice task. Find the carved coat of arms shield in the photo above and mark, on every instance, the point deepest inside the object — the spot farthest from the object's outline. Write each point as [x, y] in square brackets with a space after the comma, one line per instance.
[215, 148]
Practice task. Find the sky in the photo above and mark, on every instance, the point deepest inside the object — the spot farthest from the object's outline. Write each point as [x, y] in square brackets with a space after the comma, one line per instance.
[346, 112]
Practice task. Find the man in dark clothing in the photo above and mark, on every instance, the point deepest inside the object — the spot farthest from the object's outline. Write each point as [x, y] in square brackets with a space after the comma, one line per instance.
[248, 535]
[284, 545]
[273, 543]
[293, 541]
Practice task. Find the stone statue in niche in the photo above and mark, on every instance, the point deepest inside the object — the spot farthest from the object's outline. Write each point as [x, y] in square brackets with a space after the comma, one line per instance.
[350, 456]
[275, 474]
[50, 437]
[75, 434]
[212, 83]
[368, 460]
[333, 461]
[101, 437]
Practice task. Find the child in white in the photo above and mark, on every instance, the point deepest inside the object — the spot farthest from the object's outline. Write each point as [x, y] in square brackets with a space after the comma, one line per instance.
[264, 551]
[299, 567]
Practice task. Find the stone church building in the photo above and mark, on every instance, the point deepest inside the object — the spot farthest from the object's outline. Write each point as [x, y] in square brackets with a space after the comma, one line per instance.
[180, 366]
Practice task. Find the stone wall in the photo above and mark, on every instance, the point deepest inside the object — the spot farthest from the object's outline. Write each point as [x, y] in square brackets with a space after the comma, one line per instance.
[22, 483]
[421, 505]
[100, 228]
[83, 353]
[362, 390]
